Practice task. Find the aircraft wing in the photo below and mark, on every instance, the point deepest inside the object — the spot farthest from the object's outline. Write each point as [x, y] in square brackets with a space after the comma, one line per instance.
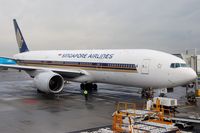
[65, 73]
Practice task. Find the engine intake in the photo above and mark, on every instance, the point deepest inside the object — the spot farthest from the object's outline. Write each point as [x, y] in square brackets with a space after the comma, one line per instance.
[49, 82]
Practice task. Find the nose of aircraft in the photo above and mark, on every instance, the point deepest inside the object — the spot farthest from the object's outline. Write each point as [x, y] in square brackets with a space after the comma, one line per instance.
[191, 74]
[182, 76]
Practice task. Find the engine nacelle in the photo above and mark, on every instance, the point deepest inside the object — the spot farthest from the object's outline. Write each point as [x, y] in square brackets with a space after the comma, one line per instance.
[49, 82]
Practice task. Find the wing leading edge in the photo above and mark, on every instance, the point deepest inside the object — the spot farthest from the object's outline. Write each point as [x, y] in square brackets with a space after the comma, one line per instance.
[65, 73]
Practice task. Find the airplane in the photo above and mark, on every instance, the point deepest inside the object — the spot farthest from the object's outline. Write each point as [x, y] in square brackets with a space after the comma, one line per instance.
[143, 68]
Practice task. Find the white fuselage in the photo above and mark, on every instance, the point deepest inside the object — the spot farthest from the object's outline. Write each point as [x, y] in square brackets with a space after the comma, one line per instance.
[132, 67]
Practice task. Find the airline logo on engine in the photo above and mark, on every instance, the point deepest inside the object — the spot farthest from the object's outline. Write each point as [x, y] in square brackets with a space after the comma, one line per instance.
[89, 56]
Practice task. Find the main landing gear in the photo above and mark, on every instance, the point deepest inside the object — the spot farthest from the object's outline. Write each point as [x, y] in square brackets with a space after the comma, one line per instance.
[88, 86]
[147, 93]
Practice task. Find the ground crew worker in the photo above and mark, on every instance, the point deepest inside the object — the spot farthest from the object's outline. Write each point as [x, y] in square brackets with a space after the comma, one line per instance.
[85, 92]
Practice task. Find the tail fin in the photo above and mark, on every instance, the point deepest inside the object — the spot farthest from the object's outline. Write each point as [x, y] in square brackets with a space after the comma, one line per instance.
[20, 39]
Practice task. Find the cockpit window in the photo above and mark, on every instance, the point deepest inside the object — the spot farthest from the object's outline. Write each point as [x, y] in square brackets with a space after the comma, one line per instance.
[176, 65]
[183, 65]
[172, 65]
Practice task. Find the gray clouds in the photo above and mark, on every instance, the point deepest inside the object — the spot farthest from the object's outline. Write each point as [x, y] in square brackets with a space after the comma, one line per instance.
[167, 25]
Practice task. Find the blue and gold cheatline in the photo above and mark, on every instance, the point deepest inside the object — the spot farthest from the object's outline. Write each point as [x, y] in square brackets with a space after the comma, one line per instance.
[118, 67]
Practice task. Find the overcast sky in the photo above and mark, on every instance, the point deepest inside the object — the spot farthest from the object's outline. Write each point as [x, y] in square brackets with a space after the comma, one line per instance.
[166, 25]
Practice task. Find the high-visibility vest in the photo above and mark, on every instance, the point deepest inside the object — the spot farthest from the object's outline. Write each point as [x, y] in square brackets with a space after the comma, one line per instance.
[85, 92]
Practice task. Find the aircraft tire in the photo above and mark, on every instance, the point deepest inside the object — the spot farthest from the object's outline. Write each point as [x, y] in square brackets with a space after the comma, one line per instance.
[82, 86]
[89, 87]
[94, 86]
[39, 91]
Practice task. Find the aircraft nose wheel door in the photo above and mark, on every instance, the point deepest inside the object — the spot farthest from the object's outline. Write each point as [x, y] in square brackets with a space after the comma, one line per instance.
[145, 66]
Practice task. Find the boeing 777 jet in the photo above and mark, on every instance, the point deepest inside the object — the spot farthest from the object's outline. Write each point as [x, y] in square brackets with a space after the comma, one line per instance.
[131, 67]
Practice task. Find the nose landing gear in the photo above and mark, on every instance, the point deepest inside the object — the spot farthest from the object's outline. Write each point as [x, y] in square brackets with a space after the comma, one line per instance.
[147, 93]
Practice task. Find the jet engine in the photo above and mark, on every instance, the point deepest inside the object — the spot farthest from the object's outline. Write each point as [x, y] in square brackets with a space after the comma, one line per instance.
[49, 82]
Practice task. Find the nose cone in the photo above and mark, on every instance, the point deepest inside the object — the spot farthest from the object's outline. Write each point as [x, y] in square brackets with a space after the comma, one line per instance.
[191, 75]
[182, 76]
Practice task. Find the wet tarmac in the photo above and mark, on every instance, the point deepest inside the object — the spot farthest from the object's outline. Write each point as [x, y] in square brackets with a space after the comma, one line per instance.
[24, 110]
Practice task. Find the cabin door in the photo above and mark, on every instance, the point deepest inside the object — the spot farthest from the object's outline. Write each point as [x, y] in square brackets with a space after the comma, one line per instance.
[145, 66]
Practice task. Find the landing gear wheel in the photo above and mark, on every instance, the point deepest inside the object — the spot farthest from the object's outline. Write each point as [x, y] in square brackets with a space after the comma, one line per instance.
[147, 93]
[88, 87]
[39, 91]
[82, 86]
[94, 86]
